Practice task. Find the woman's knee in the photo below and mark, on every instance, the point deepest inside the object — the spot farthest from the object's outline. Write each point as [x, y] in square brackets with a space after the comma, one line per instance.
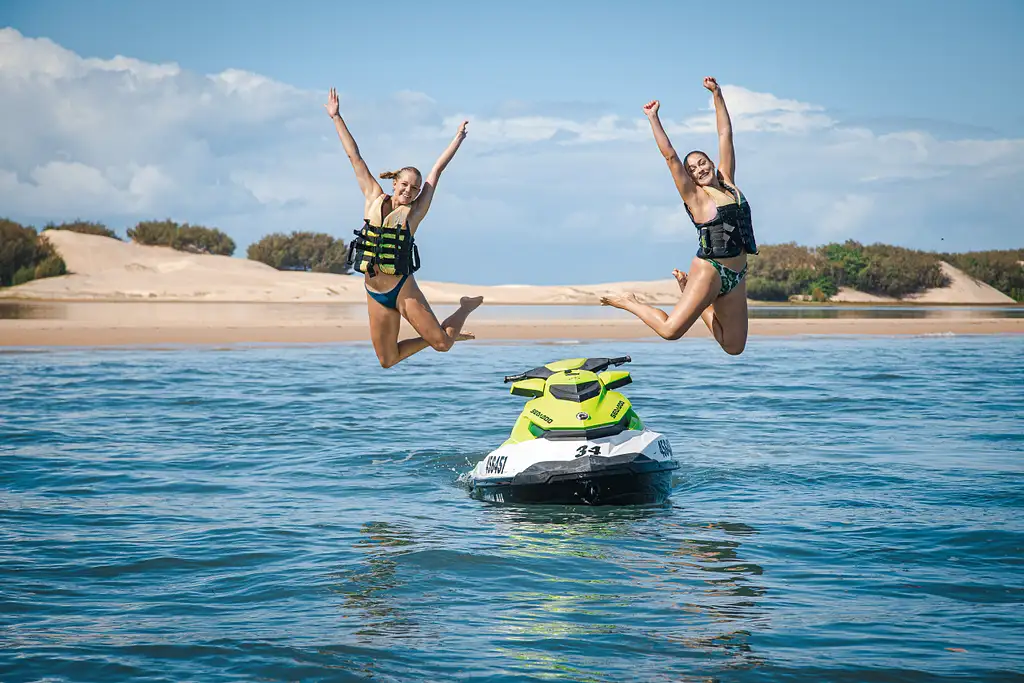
[734, 348]
[388, 360]
[672, 332]
[734, 345]
[440, 342]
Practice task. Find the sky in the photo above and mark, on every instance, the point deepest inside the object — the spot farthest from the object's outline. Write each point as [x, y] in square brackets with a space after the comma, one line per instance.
[898, 122]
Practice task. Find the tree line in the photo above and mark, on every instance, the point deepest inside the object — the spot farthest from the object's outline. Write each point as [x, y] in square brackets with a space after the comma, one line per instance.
[26, 254]
[779, 272]
[782, 271]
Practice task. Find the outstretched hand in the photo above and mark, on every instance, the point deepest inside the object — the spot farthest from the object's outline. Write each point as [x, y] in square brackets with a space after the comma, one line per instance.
[651, 108]
[462, 129]
[711, 84]
[332, 103]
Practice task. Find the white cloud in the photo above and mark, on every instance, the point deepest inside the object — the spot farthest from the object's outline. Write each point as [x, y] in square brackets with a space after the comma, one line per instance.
[841, 218]
[122, 140]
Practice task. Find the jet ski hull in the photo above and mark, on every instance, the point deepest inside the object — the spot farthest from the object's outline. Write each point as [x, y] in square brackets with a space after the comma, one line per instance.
[637, 482]
[628, 469]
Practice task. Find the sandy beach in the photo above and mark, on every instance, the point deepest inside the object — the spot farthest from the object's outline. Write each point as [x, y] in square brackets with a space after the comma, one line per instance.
[119, 293]
[92, 324]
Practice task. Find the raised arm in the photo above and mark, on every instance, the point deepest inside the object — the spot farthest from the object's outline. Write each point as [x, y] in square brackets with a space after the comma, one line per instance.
[726, 151]
[684, 183]
[422, 204]
[367, 183]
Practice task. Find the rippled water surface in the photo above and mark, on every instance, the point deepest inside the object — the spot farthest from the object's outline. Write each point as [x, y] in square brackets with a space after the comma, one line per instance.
[849, 509]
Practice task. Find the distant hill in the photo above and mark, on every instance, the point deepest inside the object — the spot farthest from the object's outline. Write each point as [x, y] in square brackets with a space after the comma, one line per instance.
[105, 269]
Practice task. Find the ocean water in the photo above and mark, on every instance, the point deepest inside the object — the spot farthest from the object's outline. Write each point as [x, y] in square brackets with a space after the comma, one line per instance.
[848, 509]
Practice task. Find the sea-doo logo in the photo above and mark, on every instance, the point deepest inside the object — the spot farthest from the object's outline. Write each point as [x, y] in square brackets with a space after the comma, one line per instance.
[582, 416]
[665, 447]
[541, 415]
[615, 413]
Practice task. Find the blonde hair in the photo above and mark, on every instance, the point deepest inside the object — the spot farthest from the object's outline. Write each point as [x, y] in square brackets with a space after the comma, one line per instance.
[390, 175]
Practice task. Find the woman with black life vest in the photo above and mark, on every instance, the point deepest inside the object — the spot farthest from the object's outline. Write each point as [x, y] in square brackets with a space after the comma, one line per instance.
[715, 289]
[385, 252]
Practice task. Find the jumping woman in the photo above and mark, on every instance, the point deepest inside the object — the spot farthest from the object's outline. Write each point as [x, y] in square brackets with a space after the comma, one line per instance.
[384, 251]
[715, 289]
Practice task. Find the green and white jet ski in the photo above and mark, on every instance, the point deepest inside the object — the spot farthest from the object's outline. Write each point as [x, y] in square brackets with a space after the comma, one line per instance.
[578, 441]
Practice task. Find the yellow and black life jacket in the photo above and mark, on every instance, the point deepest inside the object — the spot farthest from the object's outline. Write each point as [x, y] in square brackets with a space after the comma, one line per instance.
[731, 231]
[385, 243]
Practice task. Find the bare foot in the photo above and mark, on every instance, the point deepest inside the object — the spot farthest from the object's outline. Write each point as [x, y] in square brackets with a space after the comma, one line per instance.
[680, 277]
[620, 301]
[471, 303]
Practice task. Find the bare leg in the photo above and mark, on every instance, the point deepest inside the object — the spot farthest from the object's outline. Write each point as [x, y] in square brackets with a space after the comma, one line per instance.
[701, 289]
[726, 318]
[708, 315]
[440, 336]
[384, 326]
[729, 323]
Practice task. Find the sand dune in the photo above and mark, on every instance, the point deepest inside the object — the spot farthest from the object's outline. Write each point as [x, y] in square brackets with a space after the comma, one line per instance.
[962, 289]
[104, 269]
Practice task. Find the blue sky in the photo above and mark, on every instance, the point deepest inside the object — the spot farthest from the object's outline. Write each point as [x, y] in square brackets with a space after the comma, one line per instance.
[880, 121]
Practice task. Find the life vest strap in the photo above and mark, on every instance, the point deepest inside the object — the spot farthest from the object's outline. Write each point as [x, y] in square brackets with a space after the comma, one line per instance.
[375, 246]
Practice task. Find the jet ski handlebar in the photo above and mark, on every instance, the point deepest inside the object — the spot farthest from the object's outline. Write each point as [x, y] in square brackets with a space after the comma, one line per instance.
[606, 362]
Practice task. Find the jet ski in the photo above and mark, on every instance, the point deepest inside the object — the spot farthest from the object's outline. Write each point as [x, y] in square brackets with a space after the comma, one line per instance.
[578, 441]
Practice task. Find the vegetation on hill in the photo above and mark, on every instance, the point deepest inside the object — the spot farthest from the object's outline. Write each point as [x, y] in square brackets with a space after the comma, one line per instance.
[25, 255]
[315, 251]
[183, 237]
[779, 272]
[784, 270]
[1001, 269]
[86, 227]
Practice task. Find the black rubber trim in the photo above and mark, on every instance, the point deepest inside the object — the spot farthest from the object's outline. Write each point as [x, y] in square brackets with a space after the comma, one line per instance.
[624, 479]
[576, 392]
[592, 433]
[618, 383]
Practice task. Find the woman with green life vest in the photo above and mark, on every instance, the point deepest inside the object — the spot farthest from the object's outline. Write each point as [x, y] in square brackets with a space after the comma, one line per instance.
[715, 289]
[385, 252]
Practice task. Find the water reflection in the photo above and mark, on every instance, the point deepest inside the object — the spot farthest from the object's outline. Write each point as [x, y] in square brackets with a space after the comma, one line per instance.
[368, 591]
[729, 596]
[692, 579]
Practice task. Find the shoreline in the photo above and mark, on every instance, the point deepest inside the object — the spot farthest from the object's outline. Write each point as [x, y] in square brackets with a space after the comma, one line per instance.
[752, 303]
[97, 332]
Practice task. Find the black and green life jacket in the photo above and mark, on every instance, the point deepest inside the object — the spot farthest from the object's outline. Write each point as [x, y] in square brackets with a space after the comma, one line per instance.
[386, 248]
[731, 231]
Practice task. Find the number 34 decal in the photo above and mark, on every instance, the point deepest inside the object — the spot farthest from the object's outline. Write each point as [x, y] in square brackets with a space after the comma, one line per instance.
[588, 450]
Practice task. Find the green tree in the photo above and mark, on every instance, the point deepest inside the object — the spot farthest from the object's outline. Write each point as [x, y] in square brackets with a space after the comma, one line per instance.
[158, 233]
[183, 237]
[26, 255]
[309, 251]
[17, 249]
[1001, 269]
